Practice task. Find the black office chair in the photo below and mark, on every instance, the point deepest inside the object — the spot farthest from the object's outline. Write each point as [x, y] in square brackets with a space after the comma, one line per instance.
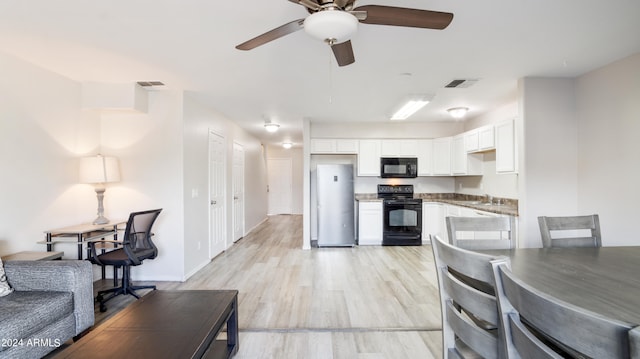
[135, 247]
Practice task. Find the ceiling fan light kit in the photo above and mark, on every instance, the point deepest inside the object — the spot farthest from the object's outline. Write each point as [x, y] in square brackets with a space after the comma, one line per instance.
[334, 22]
[331, 26]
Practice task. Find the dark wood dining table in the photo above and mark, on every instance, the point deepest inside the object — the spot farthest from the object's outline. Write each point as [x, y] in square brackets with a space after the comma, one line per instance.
[604, 280]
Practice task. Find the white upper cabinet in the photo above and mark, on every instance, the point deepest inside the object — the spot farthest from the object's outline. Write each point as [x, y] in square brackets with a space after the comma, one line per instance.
[332, 145]
[480, 139]
[506, 159]
[441, 156]
[399, 148]
[463, 163]
[471, 141]
[486, 138]
[369, 158]
[425, 157]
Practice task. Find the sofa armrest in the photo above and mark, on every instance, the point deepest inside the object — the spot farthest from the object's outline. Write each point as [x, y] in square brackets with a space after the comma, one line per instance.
[62, 276]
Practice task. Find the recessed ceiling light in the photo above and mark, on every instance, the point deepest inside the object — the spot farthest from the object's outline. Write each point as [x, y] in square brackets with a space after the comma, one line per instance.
[287, 145]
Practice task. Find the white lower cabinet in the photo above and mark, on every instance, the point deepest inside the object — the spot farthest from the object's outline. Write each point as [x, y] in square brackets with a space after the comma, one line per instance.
[370, 223]
[433, 221]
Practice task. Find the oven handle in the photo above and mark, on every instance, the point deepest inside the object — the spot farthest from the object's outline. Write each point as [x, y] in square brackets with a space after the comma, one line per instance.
[416, 237]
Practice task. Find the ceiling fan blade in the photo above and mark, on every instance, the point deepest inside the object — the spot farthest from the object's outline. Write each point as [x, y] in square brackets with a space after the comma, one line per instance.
[274, 34]
[343, 53]
[398, 16]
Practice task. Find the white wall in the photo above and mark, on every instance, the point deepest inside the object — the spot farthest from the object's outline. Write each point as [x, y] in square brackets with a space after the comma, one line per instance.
[396, 129]
[198, 121]
[163, 156]
[609, 149]
[42, 134]
[548, 157]
[150, 148]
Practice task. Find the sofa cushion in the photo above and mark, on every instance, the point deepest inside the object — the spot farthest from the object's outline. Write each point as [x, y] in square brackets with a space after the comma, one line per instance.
[25, 313]
[5, 288]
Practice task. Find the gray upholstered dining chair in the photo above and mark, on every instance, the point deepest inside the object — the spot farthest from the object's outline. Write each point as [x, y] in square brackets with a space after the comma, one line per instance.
[465, 308]
[552, 226]
[488, 232]
[537, 325]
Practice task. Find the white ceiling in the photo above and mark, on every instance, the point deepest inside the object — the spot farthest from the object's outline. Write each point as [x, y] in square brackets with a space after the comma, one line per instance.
[190, 45]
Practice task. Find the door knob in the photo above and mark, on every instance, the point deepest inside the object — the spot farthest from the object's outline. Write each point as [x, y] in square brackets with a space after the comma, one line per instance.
[213, 202]
[234, 197]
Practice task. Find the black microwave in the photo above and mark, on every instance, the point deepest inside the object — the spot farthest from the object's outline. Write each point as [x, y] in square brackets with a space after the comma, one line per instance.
[398, 167]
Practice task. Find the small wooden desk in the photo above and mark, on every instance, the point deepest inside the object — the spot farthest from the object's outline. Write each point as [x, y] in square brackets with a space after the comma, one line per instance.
[166, 324]
[603, 280]
[33, 256]
[80, 234]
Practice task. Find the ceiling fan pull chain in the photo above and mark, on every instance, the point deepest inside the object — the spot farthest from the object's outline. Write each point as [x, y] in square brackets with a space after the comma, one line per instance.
[330, 78]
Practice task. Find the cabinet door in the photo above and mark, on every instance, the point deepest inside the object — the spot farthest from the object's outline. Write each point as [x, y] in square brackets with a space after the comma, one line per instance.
[442, 156]
[370, 223]
[458, 156]
[471, 141]
[369, 158]
[346, 146]
[399, 148]
[390, 148]
[321, 145]
[486, 138]
[506, 160]
[425, 157]
[433, 221]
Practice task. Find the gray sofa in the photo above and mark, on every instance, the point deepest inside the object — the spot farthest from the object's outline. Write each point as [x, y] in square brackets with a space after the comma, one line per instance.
[51, 303]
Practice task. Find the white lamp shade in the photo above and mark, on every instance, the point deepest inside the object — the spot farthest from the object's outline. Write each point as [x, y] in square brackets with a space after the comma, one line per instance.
[335, 25]
[99, 169]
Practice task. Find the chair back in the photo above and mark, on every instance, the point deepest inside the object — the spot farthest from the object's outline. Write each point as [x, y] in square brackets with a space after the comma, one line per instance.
[136, 240]
[464, 303]
[571, 225]
[537, 325]
[481, 233]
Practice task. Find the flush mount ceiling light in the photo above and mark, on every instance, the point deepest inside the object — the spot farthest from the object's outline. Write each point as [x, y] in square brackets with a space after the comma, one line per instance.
[458, 112]
[287, 145]
[331, 26]
[271, 127]
[409, 108]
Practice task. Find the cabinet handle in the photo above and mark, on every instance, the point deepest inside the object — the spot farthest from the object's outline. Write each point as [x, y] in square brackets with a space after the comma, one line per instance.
[213, 202]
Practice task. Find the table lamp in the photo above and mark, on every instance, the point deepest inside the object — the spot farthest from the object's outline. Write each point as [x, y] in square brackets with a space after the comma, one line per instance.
[99, 170]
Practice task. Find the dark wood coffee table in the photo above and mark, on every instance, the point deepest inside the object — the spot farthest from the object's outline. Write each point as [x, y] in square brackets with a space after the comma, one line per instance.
[166, 324]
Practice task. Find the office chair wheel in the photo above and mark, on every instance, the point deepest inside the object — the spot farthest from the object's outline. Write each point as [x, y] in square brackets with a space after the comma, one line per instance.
[103, 308]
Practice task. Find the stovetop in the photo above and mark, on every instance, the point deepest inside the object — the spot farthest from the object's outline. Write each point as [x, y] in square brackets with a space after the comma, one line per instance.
[396, 192]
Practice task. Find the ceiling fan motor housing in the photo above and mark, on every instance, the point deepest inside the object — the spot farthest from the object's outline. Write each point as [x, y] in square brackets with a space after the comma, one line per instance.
[331, 26]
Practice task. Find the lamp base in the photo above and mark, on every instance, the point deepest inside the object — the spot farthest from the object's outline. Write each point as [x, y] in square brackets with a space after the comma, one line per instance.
[100, 220]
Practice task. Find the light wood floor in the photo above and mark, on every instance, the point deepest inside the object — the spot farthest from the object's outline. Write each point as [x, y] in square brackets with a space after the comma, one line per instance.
[362, 302]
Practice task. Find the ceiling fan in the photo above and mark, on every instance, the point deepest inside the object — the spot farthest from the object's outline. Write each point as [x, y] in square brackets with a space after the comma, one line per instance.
[335, 21]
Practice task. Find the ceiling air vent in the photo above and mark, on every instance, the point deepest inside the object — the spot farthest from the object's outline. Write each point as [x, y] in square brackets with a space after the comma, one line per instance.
[460, 84]
[150, 83]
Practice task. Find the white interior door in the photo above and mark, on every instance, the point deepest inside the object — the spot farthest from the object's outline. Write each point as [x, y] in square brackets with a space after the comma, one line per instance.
[217, 191]
[279, 178]
[238, 191]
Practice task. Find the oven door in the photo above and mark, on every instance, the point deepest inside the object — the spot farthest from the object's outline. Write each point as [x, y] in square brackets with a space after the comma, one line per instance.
[402, 222]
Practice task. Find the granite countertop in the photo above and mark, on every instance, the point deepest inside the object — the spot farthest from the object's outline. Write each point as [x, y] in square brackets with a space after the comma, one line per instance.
[507, 206]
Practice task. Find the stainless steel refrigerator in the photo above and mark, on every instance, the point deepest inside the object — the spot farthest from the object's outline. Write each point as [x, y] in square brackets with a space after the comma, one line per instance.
[335, 200]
